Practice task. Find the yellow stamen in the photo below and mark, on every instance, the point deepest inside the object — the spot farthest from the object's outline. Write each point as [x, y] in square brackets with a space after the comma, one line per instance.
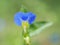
[25, 24]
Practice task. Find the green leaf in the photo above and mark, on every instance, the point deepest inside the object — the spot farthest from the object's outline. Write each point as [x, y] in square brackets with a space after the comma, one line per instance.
[38, 27]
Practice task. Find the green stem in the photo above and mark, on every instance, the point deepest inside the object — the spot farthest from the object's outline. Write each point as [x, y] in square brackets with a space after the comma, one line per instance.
[26, 36]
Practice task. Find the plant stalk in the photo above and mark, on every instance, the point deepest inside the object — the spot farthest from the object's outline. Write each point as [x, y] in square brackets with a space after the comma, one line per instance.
[26, 36]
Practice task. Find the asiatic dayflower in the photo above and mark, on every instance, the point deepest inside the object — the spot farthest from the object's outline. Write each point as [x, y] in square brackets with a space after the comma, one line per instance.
[24, 17]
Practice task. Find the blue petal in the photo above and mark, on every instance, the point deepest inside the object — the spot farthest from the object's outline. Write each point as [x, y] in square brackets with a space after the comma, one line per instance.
[18, 21]
[17, 18]
[19, 14]
[31, 17]
[24, 17]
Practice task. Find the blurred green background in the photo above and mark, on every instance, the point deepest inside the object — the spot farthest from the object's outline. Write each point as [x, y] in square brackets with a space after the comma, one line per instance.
[45, 10]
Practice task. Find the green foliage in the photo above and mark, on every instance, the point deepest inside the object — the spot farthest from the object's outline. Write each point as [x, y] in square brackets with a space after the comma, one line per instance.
[36, 25]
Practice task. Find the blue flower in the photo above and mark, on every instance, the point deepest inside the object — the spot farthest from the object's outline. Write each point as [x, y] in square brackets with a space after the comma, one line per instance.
[21, 17]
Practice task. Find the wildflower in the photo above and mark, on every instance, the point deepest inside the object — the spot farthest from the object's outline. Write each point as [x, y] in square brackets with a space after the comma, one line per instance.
[25, 18]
